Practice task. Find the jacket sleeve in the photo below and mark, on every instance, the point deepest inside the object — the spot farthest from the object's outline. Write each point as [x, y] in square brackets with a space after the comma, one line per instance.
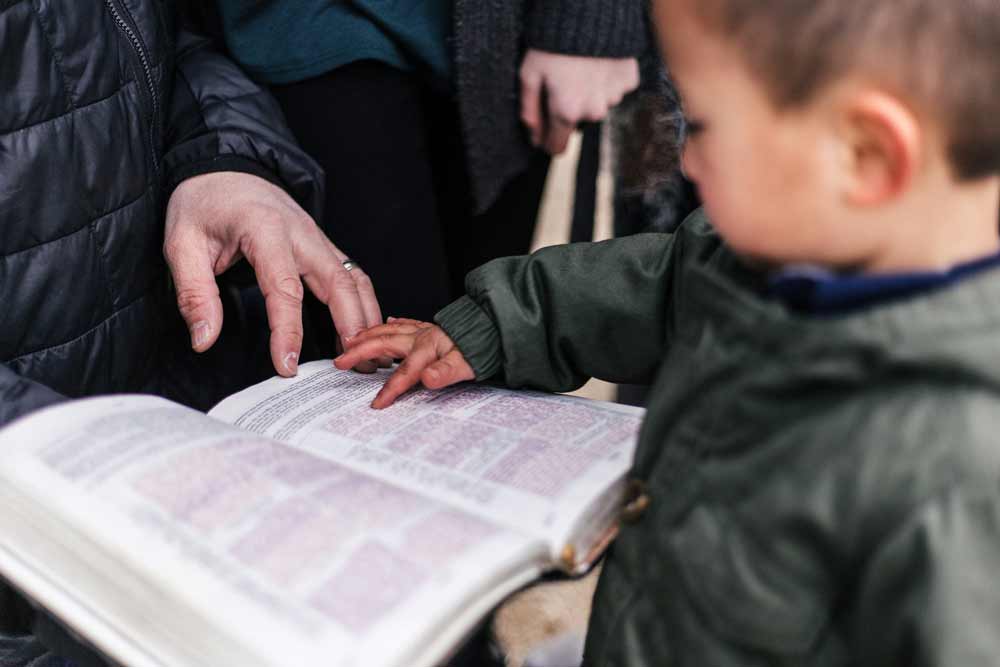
[19, 396]
[931, 596]
[567, 313]
[598, 28]
[219, 120]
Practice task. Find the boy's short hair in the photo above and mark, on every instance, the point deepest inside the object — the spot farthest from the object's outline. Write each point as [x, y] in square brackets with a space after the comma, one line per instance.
[943, 56]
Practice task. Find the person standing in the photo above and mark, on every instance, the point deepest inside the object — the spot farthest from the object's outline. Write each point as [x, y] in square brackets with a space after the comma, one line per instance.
[434, 119]
[136, 163]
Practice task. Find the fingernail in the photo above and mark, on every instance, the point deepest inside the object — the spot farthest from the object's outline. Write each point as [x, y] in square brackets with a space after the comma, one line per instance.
[200, 333]
[391, 319]
[291, 362]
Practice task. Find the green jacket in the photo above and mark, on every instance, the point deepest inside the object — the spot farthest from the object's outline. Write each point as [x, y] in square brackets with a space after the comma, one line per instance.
[823, 491]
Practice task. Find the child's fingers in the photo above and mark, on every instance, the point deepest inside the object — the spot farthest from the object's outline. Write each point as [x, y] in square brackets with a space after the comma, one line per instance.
[406, 320]
[398, 384]
[385, 345]
[390, 329]
[450, 369]
[365, 367]
[406, 376]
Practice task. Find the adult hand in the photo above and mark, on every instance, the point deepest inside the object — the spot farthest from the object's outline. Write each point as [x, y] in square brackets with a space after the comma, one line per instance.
[214, 220]
[558, 92]
[429, 356]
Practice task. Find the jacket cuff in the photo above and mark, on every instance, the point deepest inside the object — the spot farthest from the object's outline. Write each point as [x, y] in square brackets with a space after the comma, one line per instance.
[221, 163]
[596, 28]
[474, 333]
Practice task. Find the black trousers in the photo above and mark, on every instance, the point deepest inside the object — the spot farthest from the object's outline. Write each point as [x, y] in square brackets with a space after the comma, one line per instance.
[398, 196]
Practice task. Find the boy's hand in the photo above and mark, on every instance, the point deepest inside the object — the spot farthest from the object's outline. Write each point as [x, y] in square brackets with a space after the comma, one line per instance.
[429, 356]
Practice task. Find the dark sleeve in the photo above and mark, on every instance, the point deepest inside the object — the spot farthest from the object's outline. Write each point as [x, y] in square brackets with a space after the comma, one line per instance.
[554, 319]
[19, 396]
[219, 120]
[931, 594]
[599, 28]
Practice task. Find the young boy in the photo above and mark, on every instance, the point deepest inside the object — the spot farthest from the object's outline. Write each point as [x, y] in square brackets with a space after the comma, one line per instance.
[820, 465]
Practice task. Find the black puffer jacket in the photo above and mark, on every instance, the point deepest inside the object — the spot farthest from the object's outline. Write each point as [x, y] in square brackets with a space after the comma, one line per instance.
[105, 105]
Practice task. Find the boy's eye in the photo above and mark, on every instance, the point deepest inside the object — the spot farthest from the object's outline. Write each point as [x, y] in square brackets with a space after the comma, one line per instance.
[692, 128]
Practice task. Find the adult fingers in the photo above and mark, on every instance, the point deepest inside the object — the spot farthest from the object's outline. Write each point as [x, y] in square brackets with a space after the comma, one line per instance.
[333, 285]
[597, 110]
[622, 81]
[371, 309]
[384, 345]
[278, 277]
[532, 114]
[557, 135]
[345, 306]
[192, 266]
[561, 117]
[269, 249]
[451, 369]
[407, 375]
[323, 270]
[366, 292]
[633, 77]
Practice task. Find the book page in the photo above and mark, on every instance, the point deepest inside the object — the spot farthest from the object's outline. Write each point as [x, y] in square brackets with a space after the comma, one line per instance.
[530, 460]
[306, 556]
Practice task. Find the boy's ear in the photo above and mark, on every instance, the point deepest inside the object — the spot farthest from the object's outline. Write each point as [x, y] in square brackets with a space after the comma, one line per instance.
[883, 138]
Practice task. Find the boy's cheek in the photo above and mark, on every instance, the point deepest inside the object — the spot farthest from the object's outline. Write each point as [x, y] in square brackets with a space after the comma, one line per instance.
[746, 229]
[737, 232]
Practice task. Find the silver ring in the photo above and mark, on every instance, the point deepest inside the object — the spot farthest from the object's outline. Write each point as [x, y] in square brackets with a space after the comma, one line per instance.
[349, 264]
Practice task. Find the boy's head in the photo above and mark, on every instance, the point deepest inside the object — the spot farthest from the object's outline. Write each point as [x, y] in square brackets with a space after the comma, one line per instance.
[831, 131]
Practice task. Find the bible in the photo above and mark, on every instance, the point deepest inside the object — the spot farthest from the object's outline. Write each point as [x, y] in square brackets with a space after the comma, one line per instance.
[295, 525]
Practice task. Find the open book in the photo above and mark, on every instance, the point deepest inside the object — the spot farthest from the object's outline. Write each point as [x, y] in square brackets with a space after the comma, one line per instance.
[295, 525]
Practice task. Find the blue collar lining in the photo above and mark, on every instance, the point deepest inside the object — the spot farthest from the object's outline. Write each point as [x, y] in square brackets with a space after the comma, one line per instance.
[820, 291]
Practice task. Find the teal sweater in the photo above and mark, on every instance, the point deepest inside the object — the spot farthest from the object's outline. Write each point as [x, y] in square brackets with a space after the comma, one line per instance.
[284, 42]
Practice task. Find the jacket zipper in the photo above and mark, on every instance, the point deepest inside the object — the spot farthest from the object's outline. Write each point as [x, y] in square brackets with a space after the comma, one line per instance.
[132, 35]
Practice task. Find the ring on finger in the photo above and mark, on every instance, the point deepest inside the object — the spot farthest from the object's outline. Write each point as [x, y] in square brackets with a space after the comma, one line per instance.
[350, 264]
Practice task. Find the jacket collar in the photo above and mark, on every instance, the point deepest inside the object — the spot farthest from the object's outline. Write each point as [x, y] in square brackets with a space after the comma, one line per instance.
[955, 328]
